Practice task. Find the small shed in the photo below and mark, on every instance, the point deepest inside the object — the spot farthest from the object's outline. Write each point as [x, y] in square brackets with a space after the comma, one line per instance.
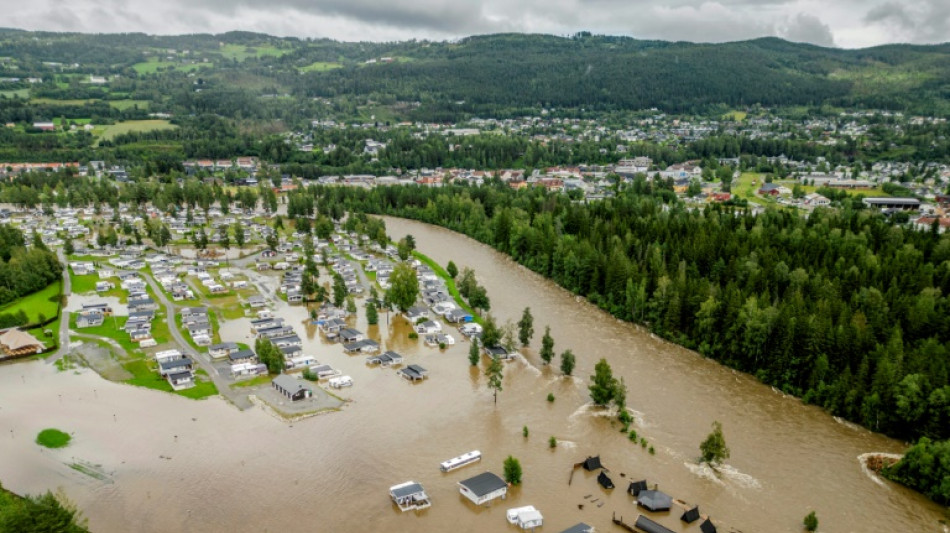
[604, 481]
[691, 515]
[707, 526]
[655, 500]
[592, 463]
[636, 487]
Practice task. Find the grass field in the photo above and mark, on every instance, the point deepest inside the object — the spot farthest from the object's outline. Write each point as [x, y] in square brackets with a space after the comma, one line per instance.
[135, 125]
[53, 438]
[145, 374]
[320, 66]
[737, 116]
[16, 93]
[36, 304]
[241, 52]
[449, 282]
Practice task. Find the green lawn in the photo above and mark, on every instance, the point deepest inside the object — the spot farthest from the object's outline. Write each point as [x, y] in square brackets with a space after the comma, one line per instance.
[253, 382]
[42, 302]
[83, 284]
[135, 125]
[110, 329]
[145, 374]
[320, 66]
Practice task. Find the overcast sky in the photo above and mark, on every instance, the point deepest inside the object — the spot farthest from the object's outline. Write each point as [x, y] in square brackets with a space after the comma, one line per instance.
[843, 23]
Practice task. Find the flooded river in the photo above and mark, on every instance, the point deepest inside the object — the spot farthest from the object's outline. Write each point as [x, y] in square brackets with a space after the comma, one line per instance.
[165, 463]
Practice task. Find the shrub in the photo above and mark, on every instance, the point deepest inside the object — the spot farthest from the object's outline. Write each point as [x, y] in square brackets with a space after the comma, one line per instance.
[413, 335]
[524, 431]
[550, 396]
[810, 522]
[552, 442]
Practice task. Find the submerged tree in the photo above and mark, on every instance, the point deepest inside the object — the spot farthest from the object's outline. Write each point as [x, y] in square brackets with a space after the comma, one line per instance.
[512, 469]
[473, 355]
[403, 287]
[494, 373]
[526, 327]
[547, 346]
[567, 362]
[603, 384]
[714, 450]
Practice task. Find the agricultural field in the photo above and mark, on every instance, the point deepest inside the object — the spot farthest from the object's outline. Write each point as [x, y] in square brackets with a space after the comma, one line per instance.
[320, 66]
[109, 132]
[53, 101]
[240, 52]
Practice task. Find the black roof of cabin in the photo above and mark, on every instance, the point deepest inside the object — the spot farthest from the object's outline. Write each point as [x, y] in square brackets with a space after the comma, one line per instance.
[691, 515]
[484, 483]
[177, 376]
[592, 463]
[707, 526]
[604, 480]
[636, 487]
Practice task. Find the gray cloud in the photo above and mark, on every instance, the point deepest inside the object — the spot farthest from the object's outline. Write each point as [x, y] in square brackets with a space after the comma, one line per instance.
[814, 21]
[922, 21]
[806, 28]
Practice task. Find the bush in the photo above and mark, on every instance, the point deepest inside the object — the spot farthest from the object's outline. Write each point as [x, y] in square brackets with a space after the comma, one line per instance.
[633, 435]
[441, 345]
[810, 522]
[552, 442]
[652, 451]
[413, 335]
[524, 431]
[309, 375]
[53, 438]
[550, 396]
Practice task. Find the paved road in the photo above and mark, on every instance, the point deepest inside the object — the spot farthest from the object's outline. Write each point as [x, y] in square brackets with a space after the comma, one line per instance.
[238, 399]
[64, 318]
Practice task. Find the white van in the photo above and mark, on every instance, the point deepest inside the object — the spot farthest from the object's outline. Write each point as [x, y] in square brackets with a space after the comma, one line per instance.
[340, 382]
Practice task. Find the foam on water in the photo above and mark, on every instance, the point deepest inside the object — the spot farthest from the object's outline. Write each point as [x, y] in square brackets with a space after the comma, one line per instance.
[725, 475]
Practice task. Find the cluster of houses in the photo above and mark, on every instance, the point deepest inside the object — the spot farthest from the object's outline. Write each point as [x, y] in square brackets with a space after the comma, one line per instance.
[176, 367]
[197, 322]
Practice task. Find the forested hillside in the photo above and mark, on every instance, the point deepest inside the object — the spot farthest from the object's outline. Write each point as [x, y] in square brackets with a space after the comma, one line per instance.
[841, 308]
[252, 76]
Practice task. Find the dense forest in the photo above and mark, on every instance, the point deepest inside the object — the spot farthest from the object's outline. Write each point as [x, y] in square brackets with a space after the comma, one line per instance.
[24, 270]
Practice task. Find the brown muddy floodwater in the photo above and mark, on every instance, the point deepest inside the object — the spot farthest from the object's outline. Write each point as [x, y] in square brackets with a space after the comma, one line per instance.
[165, 463]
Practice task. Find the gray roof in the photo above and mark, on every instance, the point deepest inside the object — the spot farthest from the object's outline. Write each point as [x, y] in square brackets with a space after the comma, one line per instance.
[241, 354]
[289, 383]
[223, 346]
[484, 483]
[654, 500]
[579, 528]
[650, 526]
[407, 490]
[175, 363]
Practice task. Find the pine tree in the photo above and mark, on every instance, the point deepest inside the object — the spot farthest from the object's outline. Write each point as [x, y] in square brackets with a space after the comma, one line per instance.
[547, 346]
